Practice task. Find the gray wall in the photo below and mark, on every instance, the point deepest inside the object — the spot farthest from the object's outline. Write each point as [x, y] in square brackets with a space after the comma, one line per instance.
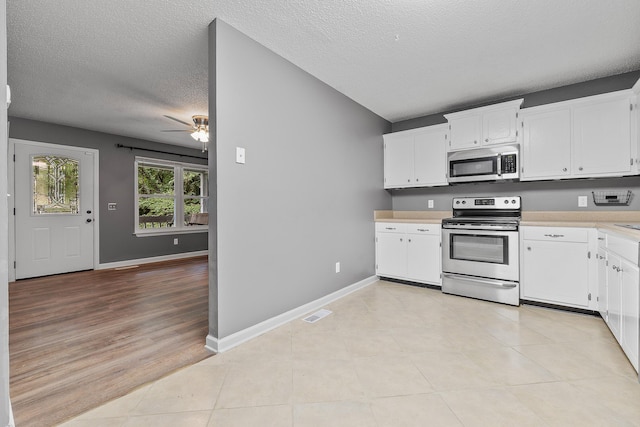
[303, 201]
[5, 402]
[117, 241]
[539, 195]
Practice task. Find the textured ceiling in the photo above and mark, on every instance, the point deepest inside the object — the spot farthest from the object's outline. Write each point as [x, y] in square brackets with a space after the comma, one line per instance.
[119, 66]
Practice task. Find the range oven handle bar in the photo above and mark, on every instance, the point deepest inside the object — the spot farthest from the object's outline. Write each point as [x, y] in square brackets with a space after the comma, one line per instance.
[494, 283]
[507, 227]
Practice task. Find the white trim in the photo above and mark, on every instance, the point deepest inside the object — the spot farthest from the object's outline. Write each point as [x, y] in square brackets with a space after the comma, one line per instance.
[169, 231]
[12, 422]
[227, 343]
[132, 262]
[96, 196]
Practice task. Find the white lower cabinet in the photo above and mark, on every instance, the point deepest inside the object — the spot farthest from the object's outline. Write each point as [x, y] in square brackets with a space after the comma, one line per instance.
[409, 252]
[557, 267]
[622, 281]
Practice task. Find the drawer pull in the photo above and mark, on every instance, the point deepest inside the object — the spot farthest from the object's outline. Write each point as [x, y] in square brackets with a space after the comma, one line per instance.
[600, 238]
[423, 229]
[554, 235]
[389, 228]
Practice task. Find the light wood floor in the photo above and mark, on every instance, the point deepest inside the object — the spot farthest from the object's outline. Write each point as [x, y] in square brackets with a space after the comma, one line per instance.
[78, 340]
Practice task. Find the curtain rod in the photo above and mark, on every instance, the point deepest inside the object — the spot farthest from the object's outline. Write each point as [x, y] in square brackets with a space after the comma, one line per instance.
[160, 151]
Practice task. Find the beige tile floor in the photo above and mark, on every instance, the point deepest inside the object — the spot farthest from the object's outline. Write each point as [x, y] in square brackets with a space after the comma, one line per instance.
[398, 355]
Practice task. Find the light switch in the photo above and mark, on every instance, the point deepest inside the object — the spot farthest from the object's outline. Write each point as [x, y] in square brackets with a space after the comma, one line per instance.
[240, 155]
[430, 204]
[582, 201]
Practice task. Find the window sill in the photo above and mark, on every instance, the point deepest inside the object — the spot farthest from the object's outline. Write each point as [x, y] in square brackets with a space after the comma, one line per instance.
[150, 233]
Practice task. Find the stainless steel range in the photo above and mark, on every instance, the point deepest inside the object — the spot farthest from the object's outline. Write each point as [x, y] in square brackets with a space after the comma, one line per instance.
[480, 244]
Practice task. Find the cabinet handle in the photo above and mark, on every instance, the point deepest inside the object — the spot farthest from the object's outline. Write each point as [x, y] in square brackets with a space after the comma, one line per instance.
[600, 238]
[580, 168]
[475, 142]
[389, 228]
[486, 140]
[564, 169]
[409, 240]
[408, 180]
[554, 235]
[528, 248]
[401, 239]
[423, 229]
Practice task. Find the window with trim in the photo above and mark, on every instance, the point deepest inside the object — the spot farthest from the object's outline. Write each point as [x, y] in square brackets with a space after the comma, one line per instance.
[170, 196]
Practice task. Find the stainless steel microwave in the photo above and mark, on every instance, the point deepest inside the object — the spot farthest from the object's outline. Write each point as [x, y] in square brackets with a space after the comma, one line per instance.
[501, 163]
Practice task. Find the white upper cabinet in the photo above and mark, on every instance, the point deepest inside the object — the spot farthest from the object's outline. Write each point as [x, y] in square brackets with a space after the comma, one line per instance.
[415, 158]
[546, 143]
[490, 125]
[602, 136]
[398, 160]
[465, 132]
[588, 137]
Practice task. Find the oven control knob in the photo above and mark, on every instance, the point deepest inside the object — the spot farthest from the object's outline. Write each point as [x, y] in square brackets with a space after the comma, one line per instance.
[464, 202]
[513, 201]
[506, 201]
[457, 202]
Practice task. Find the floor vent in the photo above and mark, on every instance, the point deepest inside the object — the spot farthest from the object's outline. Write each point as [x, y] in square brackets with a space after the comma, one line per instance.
[313, 318]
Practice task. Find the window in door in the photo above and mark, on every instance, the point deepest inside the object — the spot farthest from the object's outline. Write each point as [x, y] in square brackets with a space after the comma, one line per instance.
[56, 187]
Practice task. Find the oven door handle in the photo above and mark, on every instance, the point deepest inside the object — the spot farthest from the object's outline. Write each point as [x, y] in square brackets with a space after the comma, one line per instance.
[490, 282]
[480, 227]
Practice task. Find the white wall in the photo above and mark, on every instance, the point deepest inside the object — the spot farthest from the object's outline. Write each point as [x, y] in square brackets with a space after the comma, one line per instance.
[5, 403]
[303, 201]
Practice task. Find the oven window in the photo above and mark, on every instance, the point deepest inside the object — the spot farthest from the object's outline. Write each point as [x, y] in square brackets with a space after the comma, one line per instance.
[480, 248]
[473, 167]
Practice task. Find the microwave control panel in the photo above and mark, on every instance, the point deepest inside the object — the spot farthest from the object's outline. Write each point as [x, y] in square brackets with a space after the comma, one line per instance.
[509, 163]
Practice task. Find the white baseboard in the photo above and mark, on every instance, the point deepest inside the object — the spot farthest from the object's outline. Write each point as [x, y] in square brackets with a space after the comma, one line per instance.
[131, 262]
[221, 345]
[12, 423]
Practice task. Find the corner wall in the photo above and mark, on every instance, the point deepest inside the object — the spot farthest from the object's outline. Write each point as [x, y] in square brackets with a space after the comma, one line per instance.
[116, 169]
[303, 201]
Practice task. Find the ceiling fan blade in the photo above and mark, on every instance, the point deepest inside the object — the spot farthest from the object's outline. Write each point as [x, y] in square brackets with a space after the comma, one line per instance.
[175, 130]
[179, 121]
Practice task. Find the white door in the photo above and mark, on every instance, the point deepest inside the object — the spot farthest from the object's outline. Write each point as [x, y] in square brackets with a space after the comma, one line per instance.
[54, 212]
[465, 132]
[602, 138]
[391, 254]
[423, 258]
[546, 144]
[430, 156]
[499, 127]
[398, 160]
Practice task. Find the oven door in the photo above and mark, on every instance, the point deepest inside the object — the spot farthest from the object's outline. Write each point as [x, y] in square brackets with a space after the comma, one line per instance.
[482, 253]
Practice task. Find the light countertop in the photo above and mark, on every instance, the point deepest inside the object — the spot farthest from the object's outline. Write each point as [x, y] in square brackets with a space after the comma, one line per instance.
[604, 220]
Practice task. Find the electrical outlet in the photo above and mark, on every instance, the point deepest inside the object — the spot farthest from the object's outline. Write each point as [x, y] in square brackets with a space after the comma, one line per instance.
[337, 267]
[112, 206]
[175, 241]
[430, 204]
[582, 201]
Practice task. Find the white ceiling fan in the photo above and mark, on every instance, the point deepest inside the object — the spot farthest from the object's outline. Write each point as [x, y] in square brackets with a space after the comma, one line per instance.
[199, 129]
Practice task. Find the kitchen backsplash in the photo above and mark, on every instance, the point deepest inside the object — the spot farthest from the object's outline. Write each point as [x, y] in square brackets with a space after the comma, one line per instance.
[536, 196]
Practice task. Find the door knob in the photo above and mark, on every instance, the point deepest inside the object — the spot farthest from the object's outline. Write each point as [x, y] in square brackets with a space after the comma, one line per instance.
[88, 211]
[89, 220]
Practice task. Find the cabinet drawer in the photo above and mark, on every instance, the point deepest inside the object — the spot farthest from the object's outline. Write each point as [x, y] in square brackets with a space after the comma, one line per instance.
[626, 248]
[390, 227]
[423, 229]
[560, 234]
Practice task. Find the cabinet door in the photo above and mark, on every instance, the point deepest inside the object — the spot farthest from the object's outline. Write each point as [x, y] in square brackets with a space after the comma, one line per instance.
[499, 127]
[602, 283]
[614, 296]
[423, 258]
[391, 255]
[546, 141]
[630, 281]
[430, 157]
[398, 160]
[602, 138]
[465, 132]
[556, 272]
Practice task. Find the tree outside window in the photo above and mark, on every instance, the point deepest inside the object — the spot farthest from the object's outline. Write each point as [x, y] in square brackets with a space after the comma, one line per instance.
[170, 196]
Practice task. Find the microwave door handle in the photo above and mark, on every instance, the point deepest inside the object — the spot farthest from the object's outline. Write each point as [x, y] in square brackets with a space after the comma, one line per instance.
[499, 166]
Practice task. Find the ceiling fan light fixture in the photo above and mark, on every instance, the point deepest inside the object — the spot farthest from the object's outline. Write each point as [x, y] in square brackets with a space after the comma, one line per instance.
[201, 132]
